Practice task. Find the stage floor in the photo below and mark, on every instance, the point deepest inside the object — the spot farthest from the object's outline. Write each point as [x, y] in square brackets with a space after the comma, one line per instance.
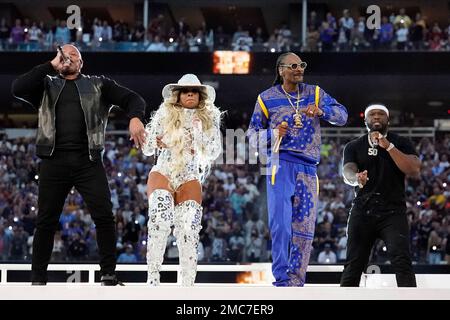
[133, 291]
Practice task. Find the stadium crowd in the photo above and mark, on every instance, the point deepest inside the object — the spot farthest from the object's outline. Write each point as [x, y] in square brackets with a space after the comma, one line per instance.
[346, 31]
[234, 219]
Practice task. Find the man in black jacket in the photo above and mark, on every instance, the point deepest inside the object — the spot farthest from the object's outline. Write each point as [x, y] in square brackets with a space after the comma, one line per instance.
[73, 113]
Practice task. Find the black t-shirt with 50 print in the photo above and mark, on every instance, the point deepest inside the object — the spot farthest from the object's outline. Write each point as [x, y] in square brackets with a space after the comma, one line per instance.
[386, 180]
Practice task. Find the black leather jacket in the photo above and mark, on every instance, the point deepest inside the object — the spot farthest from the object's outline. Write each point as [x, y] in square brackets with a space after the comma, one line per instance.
[41, 88]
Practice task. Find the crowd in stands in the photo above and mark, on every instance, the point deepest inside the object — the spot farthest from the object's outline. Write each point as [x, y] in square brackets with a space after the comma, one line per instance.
[397, 32]
[346, 32]
[235, 226]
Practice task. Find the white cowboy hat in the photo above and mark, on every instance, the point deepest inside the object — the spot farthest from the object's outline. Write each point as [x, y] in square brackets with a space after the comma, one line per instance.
[189, 81]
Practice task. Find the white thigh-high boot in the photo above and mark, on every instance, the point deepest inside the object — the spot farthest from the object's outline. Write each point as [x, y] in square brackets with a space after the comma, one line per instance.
[187, 220]
[160, 212]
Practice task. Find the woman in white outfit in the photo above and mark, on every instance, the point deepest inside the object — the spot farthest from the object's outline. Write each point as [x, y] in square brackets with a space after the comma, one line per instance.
[185, 131]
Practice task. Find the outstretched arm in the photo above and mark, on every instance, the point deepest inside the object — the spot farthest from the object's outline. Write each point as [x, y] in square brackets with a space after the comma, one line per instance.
[350, 170]
[129, 101]
[409, 164]
[352, 177]
[153, 131]
[333, 112]
[29, 87]
[259, 125]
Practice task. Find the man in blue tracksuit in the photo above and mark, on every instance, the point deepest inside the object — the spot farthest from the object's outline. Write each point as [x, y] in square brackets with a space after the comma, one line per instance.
[294, 109]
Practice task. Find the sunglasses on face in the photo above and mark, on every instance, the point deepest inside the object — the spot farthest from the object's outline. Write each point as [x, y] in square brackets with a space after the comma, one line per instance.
[295, 66]
[187, 90]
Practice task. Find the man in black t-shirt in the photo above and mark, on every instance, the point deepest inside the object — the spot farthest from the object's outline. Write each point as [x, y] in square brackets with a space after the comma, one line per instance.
[376, 164]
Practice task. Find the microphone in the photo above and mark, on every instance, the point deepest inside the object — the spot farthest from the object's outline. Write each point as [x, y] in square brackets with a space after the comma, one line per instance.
[66, 58]
[375, 140]
[276, 147]
[157, 151]
[156, 156]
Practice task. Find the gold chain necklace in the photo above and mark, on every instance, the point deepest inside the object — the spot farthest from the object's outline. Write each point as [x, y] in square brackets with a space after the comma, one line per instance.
[297, 116]
[288, 94]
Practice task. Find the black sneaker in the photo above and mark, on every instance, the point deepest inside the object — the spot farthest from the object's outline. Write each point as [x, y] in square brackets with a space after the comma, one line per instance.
[110, 280]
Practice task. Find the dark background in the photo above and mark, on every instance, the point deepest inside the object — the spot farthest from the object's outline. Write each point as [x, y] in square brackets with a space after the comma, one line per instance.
[406, 82]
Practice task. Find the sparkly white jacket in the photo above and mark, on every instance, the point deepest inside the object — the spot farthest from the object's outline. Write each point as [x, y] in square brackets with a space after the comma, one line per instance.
[200, 148]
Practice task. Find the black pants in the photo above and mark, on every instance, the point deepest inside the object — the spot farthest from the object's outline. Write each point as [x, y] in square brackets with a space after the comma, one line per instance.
[57, 176]
[363, 229]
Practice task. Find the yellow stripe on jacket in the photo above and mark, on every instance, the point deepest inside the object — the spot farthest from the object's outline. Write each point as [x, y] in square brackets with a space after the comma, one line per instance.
[263, 107]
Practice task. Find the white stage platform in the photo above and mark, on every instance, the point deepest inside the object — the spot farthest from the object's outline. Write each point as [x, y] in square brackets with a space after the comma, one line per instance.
[372, 287]
[140, 292]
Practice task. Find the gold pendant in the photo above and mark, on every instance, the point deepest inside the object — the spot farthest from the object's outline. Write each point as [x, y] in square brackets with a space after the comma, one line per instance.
[297, 120]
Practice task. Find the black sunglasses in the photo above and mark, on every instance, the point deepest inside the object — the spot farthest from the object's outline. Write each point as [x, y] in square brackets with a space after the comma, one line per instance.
[187, 90]
[295, 66]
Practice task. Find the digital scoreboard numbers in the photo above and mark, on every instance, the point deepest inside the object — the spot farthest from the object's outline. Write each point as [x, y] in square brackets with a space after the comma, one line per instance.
[231, 62]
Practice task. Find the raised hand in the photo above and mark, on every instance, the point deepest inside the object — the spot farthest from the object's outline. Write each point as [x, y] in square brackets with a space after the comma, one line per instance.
[362, 178]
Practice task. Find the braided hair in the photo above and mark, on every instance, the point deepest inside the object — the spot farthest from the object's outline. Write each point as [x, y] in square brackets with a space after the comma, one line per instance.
[278, 77]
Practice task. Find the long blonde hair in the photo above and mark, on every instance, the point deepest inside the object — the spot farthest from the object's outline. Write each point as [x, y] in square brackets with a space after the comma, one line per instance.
[172, 128]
